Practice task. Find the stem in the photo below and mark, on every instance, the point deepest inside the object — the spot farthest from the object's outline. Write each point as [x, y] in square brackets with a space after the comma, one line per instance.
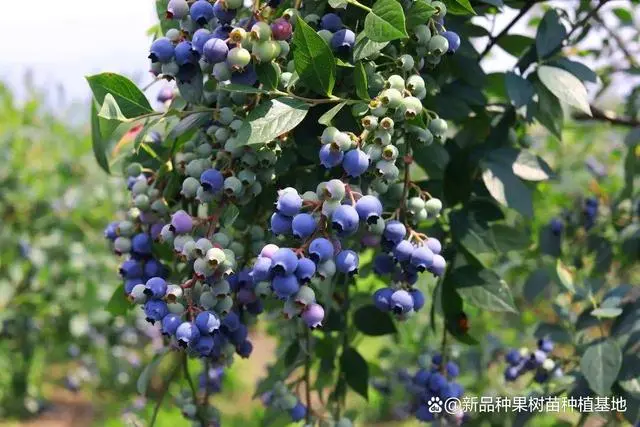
[606, 116]
[443, 348]
[345, 338]
[156, 409]
[194, 391]
[494, 40]
[360, 5]
[621, 44]
[313, 101]
[307, 372]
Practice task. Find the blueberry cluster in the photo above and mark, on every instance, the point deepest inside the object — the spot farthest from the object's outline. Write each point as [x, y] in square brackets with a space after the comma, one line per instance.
[435, 41]
[280, 398]
[537, 361]
[210, 380]
[586, 217]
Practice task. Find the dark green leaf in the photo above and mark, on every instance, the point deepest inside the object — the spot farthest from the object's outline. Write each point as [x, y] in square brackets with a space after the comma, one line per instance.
[548, 110]
[129, 98]
[385, 22]
[550, 35]
[565, 86]
[161, 11]
[118, 304]
[371, 321]
[419, 13]
[452, 305]
[507, 188]
[365, 47]
[523, 163]
[600, 365]
[186, 128]
[520, 90]
[338, 4]
[291, 355]
[579, 70]
[483, 288]
[509, 238]
[343, 64]
[326, 118]
[268, 74]
[536, 283]
[624, 15]
[98, 144]
[565, 276]
[433, 159]
[460, 7]
[193, 89]
[355, 371]
[229, 215]
[272, 119]
[515, 44]
[149, 371]
[360, 81]
[232, 87]
[313, 59]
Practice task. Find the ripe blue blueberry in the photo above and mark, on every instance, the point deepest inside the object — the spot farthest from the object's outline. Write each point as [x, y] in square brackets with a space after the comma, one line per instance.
[313, 315]
[200, 37]
[394, 231]
[546, 345]
[511, 373]
[244, 349]
[141, 244]
[111, 231]
[298, 412]
[156, 287]
[347, 262]
[261, 269]
[215, 50]
[556, 225]
[162, 50]
[436, 382]
[212, 180]
[305, 270]
[434, 244]
[418, 299]
[204, 346]
[454, 40]
[154, 268]
[383, 264]
[246, 76]
[343, 40]
[281, 224]
[181, 222]
[422, 258]
[382, 298]
[187, 334]
[170, 324]
[224, 15]
[131, 269]
[201, 12]
[331, 22]
[284, 262]
[330, 158]
[401, 302]
[231, 321]
[438, 266]
[344, 220]
[369, 209]
[303, 225]
[285, 286]
[289, 202]
[355, 162]
[155, 310]
[452, 369]
[425, 414]
[207, 322]
[185, 54]
[513, 357]
[321, 250]
[403, 251]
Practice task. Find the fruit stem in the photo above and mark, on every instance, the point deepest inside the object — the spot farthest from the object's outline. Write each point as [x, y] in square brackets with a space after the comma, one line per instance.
[360, 5]
[194, 391]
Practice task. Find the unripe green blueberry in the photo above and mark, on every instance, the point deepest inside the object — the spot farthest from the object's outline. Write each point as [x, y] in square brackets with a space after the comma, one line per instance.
[312, 18]
[207, 300]
[326, 35]
[247, 177]
[170, 69]
[395, 82]
[376, 84]
[256, 188]
[377, 227]
[327, 269]
[215, 257]
[387, 124]
[134, 169]
[142, 202]
[373, 151]
[195, 168]
[174, 293]
[411, 107]
[226, 116]
[160, 207]
[189, 410]
[388, 170]
[390, 153]
[438, 45]
[137, 295]
[422, 34]
[433, 206]
[154, 193]
[238, 35]
[415, 204]
[222, 239]
[359, 109]
[173, 34]
[291, 66]
[190, 187]
[406, 62]
[432, 60]
[263, 289]
[122, 245]
[189, 249]
[166, 235]
[344, 422]
[203, 196]
[438, 127]
[204, 150]
[140, 187]
[329, 135]
[284, 49]
[224, 305]
[291, 309]
[265, 51]
[382, 137]
[310, 196]
[379, 111]
[441, 9]
[175, 308]
[239, 57]
[328, 206]
[125, 228]
[414, 83]
[237, 248]
[260, 31]
[290, 14]
[221, 71]
[391, 98]
[380, 185]
[421, 215]
[221, 289]
[341, 142]
[369, 122]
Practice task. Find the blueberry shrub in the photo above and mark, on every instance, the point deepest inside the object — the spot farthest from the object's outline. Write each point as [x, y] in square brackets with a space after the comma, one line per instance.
[344, 170]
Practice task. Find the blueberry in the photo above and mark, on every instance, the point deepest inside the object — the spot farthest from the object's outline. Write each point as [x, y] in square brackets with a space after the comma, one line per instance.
[289, 202]
[129, 284]
[401, 302]
[187, 334]
[313, 315]
[344, 220]
[347, 262]
[285, 286]
[321, 250]
[343, 41]
[305, 270]
[331, 22]
[452, 369]
[394, 231]
[269, 250]
[170, 324]
[141, 244]
[418, 299]
[246, 76]
[513, 357]
[382, 298]
[369, 209]
[261, 269]
[511, 373]
[434, 244]
[155, 310]
[330, 158]
[453, 39]
[355, 163]
[111, 231]
[383, 264]
[177, 9]
[224, 15]
[185, 54]
[436, 382]
[284, 261]
[422, 258]
[201, 12]
[231, 322]
[303, 225]
[212, 180]
[438, 266]
[556, 225]
[131, 269]
[281, 29]
[244, 349]
[215, 51]
[281, 224]
[424, 414]
[156, 287]
[546, 345]
[298, 412]
[162, 50]
[200, 37]
[181, 222]
[207, 322]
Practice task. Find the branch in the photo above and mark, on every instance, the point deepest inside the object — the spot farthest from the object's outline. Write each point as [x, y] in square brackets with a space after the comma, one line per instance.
[621, 44]
[156, 409]
[307, 371]
[494, 40]
[606, 116]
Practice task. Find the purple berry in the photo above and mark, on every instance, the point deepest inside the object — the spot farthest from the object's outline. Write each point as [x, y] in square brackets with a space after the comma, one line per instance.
[181, 222]
[513, 357]
[215, 51]
[303, 225]
[313, 315]
[347, 262]
[321, 250]
[511, 373]
[298, 412]
[546, 345]
[281, 29]
[436, 382]
[369, 209]
[162, 50]
[111, 232]
[204, 346]
[244, 349]
[231, 321]
[556, 225]
[261, 269]
[452, 369]
[434, 244]
[383, 264]
[331, 22]
[403, 251]
[329, 158]
[200, 37]
[131, 269]
[355, 163]
[224, 15]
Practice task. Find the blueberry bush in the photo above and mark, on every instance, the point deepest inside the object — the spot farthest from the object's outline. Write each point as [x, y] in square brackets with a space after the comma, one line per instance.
[350, 178]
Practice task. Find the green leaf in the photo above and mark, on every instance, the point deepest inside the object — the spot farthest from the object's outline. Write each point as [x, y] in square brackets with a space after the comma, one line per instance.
[291, 355]
[355, 371]
[313, 59]
[385, 22]
[515, 44]
[419, 13]
[360, 81]
[565, 86]
[452, 305]
[600, 365]
[606, 312]
[343, 64]
[149, 371]
[483, 288]
[579, 70]
[507, 188]
[118, 304]
[233, 87]
[98, 143]
[459, 7]
[471, 229]
[371, 321]
[110, 116]
[509, 238]
[624, 15]
[548, 110]
[272, 119]
[519, 90]
[129, 98]
[229, 215]
[186, 128]
[366, 47]
[338, 4]
[523, 163]
[565, 276]
[550, 35]
[326, 118]
[161, 11]
[536, 283]
[268, 74]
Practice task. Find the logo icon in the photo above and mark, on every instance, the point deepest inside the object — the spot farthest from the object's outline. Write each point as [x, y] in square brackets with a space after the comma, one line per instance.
[435, 405]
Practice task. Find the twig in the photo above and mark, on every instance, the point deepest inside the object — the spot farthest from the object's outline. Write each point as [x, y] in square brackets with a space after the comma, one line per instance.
[606, 116]
[194, 391]
[156, 409]
[494, 40]
[621, 44]
[307, 372]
